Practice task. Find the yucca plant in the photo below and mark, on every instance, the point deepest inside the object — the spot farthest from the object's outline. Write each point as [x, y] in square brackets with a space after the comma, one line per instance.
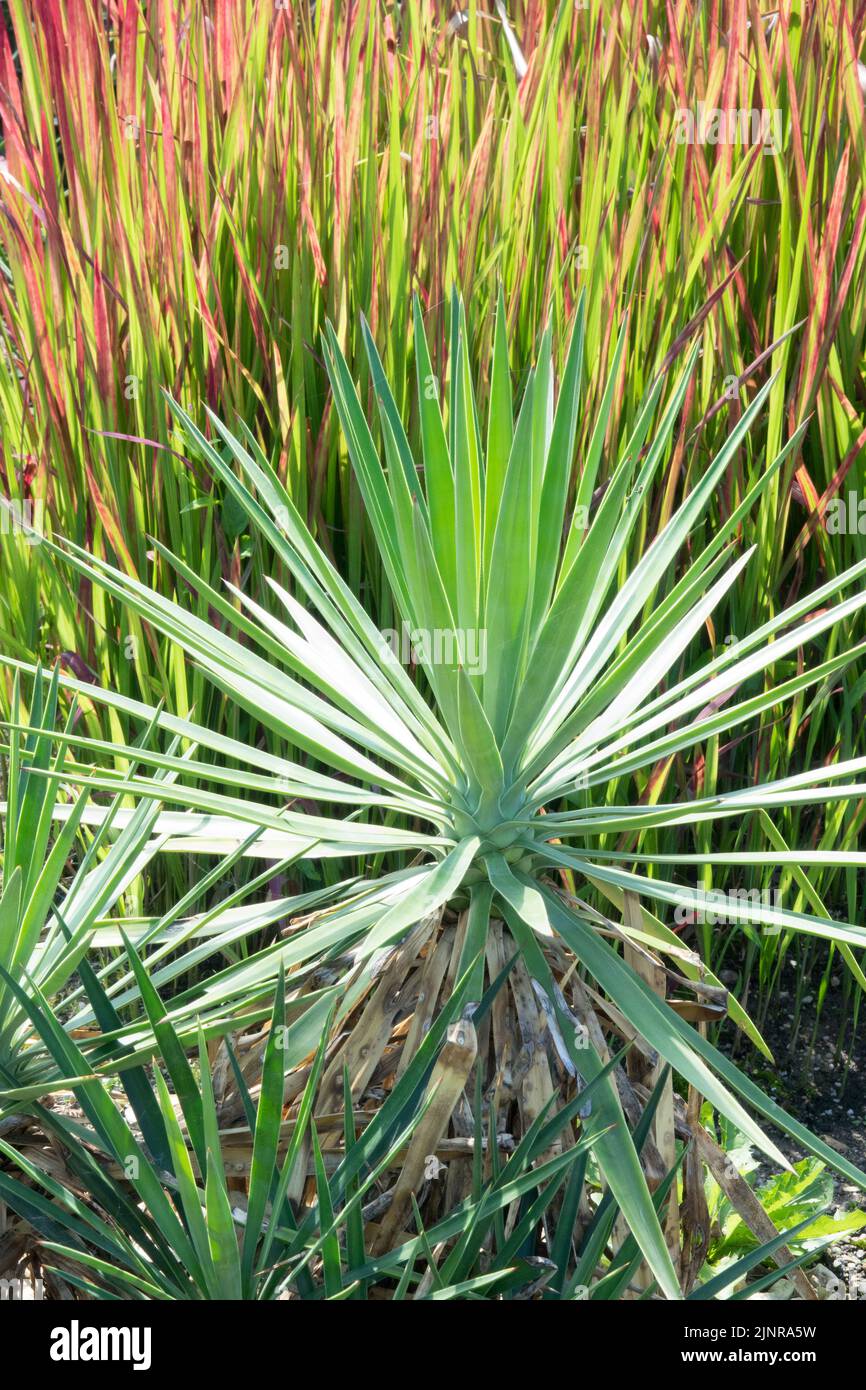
[496, 787]
[57, 895]
[40, 943]
[165, 1218]
[163, 1222]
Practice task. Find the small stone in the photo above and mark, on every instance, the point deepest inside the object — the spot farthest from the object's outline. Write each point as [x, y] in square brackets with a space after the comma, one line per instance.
[827, 1284]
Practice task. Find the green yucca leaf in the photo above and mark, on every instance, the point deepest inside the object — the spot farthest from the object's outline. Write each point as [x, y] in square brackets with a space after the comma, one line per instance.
[266, 1131]
[172, 1053]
